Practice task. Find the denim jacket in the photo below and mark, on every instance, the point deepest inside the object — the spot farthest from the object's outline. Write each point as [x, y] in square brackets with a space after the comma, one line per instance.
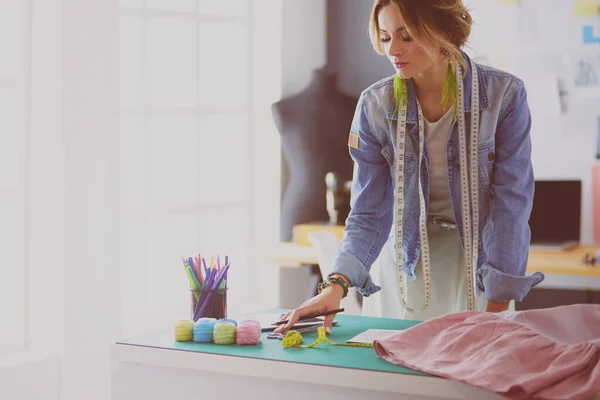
[506, 184]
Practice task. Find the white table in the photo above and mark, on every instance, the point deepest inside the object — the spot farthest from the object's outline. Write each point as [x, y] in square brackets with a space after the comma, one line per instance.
[152, 368]
[153, 374]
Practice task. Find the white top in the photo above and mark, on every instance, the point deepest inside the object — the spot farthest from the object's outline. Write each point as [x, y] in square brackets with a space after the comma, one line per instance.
[436, 139]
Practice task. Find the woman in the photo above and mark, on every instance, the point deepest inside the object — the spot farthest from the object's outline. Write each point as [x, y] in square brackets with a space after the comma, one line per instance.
[442, 154]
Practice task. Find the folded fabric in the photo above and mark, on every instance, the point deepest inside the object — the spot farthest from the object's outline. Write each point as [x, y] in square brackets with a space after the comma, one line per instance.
[545, 354]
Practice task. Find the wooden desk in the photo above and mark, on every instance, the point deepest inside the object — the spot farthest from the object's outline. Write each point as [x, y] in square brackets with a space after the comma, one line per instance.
[287, 254]
[563, 269]
[300, 232]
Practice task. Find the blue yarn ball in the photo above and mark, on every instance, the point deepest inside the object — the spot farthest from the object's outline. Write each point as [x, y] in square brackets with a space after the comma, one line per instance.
[203, 330]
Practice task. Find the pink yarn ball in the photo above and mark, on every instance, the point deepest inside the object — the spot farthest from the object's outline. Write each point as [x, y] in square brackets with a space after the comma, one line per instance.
[249, 321]
[248, 333]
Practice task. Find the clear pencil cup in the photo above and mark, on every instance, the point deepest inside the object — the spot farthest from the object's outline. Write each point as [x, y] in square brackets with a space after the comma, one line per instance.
[208, 303]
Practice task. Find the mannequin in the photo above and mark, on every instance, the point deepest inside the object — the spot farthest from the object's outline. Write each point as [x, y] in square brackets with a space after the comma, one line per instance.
[338, 198]
[314, 127]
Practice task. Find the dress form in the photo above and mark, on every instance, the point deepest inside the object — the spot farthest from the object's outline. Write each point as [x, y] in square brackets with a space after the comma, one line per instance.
[314, 127]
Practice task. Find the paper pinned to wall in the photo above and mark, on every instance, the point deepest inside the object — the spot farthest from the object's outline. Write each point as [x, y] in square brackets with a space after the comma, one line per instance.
[587, 8]
[544, 102]
[542, 76]
[546, 144]
[584, 75]
[543, 95]
[588, 35]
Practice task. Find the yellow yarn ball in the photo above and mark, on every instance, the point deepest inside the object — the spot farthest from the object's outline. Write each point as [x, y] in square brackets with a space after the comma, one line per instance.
[184, 331]
[224, 333]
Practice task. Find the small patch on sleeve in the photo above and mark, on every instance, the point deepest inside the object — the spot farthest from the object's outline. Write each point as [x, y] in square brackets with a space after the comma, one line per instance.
[353, 140]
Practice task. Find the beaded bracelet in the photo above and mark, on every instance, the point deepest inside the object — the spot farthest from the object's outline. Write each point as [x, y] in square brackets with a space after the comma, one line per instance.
[333, 279]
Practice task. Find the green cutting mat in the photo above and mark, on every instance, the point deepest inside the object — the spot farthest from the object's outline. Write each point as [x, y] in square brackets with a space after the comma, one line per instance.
[324, 354]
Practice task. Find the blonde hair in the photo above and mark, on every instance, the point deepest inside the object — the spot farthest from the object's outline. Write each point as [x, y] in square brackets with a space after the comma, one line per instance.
[445, 23]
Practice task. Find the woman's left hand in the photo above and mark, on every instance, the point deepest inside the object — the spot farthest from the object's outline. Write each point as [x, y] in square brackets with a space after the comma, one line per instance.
[497, 307]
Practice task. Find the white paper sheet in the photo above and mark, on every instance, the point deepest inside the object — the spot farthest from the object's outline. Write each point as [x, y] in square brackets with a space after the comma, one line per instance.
[543, 95]
[370, 335]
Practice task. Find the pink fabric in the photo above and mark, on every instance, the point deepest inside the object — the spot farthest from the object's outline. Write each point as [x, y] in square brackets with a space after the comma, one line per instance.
[539, 354]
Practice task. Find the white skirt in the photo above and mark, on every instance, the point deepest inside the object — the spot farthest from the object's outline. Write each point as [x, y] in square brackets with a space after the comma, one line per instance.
[448, 281]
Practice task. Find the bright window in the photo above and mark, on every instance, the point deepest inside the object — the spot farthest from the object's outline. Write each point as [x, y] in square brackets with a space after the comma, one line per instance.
[184, 148]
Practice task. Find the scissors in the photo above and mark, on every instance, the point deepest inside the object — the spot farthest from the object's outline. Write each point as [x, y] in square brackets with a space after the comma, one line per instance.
[280, 336]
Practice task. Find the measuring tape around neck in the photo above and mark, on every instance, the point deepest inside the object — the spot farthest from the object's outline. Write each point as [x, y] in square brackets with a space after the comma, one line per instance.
[470, 212]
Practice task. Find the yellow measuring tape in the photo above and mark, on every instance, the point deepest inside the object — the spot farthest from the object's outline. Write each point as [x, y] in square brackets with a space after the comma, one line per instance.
[294, 339]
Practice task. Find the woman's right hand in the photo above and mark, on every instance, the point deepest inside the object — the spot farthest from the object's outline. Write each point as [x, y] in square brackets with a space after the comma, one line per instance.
[327, 300]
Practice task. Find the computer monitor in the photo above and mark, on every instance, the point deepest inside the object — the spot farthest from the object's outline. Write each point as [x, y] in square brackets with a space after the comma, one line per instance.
[555, 220]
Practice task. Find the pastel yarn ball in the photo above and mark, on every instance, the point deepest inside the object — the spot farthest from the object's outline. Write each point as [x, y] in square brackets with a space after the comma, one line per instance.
[233, 321]
[248, 333]
[249, 321]
[184, 331]
[224, 333]
[203, 330]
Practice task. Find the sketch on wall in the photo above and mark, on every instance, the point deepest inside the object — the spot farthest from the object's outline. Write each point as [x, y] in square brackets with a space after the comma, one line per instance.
[585, 74]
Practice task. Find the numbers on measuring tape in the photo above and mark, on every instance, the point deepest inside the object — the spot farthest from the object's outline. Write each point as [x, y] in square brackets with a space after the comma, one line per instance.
[469, 193]
[474, 185]
[464, 190]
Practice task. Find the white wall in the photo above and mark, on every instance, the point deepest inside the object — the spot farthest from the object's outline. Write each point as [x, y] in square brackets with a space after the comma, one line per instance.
[269, 38]
[304, 42]
[72, 274]
[91, 220]
[45, 276]
[40, 362]
[31, 381]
